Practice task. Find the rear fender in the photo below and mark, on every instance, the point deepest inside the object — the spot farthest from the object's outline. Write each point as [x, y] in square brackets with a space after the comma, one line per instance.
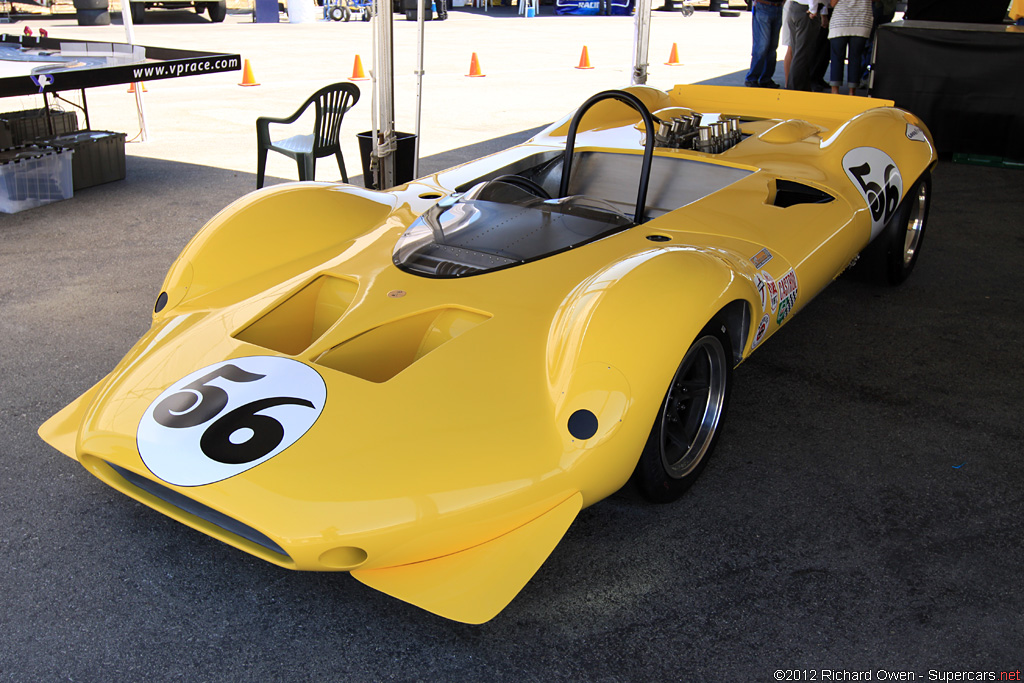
[903, 137]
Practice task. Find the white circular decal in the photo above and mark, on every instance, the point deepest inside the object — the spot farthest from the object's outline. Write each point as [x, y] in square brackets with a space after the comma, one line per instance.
[229, 417]
[762, 328]
[878, 179]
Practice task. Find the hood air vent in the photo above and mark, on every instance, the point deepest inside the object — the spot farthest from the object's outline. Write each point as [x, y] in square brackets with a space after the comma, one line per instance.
[301, 319]
[382, 352]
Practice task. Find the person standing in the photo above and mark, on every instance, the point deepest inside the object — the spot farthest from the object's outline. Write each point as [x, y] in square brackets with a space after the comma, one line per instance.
[804, 22]
[786, 41]
[848, 32]
[766, 26]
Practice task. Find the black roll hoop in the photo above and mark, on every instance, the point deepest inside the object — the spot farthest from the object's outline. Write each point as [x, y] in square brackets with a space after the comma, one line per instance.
[645, 171]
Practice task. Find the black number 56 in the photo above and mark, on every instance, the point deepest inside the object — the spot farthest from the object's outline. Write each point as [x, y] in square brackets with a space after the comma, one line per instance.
[200, 401]
[881, 201]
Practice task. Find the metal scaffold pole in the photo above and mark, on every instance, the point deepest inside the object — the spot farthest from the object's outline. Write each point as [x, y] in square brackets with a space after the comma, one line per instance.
[641, 39]
[383, 156]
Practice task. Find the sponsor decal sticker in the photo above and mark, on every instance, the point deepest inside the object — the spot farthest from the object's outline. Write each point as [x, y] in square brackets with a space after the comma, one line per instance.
[878, 179]
[762, 329]
[788, 288]
[760, 258]
[228, 418]
[915, 133]
[768, 290]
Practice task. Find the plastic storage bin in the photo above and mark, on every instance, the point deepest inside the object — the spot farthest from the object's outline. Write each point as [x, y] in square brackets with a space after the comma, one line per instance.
[98, 159]
[31, 124]
[33, 175]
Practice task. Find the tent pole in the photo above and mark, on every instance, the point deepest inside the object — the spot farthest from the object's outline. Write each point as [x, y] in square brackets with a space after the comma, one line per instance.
[384, 141]
[419, 81]
[129, 32]
[641, 39]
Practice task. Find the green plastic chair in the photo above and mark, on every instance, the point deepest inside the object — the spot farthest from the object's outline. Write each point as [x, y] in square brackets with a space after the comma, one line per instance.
[331, 104]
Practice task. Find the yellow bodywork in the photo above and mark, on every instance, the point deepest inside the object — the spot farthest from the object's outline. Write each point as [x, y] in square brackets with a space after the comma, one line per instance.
[440, 469]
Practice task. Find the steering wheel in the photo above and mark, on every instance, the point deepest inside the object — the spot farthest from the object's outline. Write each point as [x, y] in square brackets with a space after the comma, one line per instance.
[523, 184]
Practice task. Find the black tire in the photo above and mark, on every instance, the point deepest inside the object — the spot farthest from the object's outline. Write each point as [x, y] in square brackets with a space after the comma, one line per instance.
[891, 257]
[93, 17]
[138, 11]
[689, 420]
[217, 10]
[366, 16]
[337, 14]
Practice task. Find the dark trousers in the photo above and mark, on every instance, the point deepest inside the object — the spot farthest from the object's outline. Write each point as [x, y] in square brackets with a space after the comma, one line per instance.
[839, 55]
[804, 41]
[766, 24]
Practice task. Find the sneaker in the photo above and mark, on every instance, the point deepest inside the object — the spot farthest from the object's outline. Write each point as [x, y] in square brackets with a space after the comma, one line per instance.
[768, 84]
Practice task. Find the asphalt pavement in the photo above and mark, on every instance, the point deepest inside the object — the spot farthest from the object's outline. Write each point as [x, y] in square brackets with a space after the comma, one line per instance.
[862, 513]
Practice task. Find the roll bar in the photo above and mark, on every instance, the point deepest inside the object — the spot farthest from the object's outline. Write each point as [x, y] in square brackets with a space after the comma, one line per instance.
[645, 171]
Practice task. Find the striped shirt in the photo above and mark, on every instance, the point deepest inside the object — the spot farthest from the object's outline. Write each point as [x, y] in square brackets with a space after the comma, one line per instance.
[851, 18]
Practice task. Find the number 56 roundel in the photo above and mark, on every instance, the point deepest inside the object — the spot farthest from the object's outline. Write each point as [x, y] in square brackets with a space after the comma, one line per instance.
[878, 179]
[229, 417]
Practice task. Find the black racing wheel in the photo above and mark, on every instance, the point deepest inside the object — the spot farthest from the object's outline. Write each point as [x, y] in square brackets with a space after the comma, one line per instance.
[890, 257]
[689, 420]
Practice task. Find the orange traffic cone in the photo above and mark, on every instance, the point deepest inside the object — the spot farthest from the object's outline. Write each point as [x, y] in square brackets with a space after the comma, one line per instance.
[357, 71]
[584, 59]
[247, 77]
[131, 87]
[474, 68]
[673, 58]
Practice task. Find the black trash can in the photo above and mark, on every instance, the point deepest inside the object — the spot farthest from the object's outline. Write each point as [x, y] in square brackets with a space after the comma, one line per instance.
[411, 9]
[92, 12]
[405, 157]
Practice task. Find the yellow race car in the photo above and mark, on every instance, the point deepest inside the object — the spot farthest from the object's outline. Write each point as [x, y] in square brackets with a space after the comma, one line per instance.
[424, 386]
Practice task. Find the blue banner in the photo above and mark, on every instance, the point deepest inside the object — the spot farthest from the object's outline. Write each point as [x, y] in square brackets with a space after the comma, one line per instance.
[579, 7]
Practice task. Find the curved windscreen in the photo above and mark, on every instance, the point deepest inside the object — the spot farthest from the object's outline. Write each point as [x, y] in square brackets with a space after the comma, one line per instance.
[499, 224]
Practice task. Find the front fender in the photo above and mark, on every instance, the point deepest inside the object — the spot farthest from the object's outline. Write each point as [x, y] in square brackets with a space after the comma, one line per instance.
[266, 237]
[617, 340]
